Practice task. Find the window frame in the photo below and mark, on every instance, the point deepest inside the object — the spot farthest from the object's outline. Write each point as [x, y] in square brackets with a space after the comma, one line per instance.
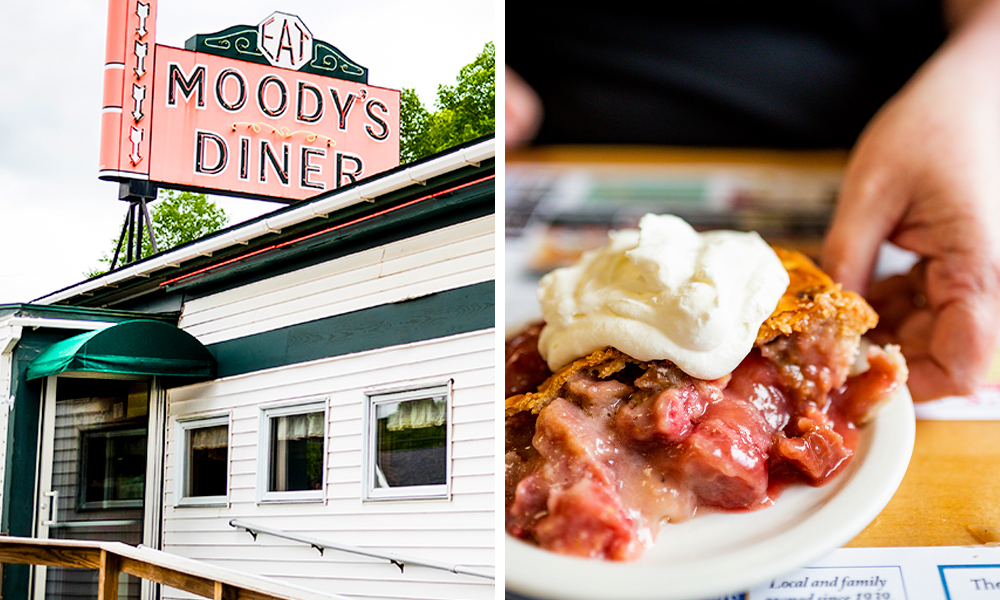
[184, 425]
[83, 451]
[286, 409]
[375, 398]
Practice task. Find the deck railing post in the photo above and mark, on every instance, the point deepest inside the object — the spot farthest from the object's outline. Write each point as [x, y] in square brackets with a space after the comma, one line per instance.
[224, 592]
[107, 582]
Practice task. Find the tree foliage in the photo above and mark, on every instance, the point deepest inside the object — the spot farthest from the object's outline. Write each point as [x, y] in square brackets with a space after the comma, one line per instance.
[178, 218]
[463, 112]
[182, 217]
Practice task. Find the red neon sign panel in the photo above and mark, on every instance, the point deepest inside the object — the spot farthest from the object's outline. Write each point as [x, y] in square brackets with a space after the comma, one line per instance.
[222, 125]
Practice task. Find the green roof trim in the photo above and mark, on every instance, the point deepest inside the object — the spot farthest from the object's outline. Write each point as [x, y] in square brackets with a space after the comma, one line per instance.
[137, 347]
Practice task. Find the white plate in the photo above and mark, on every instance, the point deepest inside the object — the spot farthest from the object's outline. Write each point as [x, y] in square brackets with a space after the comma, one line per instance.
[723, 553]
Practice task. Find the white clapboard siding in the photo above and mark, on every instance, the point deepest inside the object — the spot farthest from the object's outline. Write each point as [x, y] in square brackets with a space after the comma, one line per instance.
[458, 530]
[444, 259]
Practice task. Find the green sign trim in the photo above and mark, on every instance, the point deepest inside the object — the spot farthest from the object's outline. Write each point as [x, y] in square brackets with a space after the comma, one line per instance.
[239, 42]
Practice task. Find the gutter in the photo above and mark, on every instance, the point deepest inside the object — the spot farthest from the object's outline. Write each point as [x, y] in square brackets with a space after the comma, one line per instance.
[419, 174]
[10, 335]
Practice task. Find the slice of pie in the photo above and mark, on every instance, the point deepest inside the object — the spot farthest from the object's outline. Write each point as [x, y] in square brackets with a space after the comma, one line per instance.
[603, 452]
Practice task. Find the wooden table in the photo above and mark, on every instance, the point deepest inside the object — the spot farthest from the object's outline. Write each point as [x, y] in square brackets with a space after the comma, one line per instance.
[952, 483]
[953, 480]
[638, 155]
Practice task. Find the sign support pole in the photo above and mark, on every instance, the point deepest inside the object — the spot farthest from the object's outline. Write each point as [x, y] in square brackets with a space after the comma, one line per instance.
[138, 193]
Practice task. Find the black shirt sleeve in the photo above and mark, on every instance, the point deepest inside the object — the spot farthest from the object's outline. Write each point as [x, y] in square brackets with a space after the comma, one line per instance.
[785, 75]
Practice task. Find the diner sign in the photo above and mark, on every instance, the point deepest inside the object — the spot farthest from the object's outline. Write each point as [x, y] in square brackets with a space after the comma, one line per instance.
[265, 111]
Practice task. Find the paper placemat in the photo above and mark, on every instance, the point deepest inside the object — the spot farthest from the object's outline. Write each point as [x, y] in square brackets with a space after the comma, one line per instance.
[932, 573]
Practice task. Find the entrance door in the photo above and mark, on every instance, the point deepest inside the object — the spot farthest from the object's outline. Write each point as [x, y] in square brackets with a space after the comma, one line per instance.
[93, 475]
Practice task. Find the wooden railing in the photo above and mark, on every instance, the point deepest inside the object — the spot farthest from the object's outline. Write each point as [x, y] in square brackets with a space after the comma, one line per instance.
[114, 558]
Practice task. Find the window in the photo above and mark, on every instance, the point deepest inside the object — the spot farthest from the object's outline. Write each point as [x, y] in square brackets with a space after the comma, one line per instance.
[293, 449]
[113, 468]
[407, 451]
[203, 461]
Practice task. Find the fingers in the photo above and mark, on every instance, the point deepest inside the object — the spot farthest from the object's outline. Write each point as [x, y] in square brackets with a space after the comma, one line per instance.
[952, 358]
[522, 110]
[944, 315]
[964, 292]
[865, 216]
[892, 299]
[896, 297]
[937, 369]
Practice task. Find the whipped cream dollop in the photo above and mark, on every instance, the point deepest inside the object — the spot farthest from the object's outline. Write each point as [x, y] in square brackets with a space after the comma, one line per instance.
[663, 292]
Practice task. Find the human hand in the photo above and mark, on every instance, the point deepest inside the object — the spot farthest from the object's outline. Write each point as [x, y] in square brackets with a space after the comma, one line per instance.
[925, 175]
[522, 110]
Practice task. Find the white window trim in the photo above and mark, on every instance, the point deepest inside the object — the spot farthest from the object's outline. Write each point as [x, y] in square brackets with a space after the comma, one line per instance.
[264, 450]
[180, 439]
[373, 398]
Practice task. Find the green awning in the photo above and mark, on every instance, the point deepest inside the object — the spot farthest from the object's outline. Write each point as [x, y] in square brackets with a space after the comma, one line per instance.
[130, 348]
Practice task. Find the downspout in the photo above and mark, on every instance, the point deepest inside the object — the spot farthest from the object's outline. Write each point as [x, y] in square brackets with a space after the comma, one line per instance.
[10, 335]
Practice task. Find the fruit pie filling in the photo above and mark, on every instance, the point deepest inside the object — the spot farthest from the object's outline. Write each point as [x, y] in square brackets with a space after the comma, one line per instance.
[606, 462]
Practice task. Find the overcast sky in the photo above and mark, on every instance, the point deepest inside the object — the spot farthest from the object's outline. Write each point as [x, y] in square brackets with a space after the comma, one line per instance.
[56, 217]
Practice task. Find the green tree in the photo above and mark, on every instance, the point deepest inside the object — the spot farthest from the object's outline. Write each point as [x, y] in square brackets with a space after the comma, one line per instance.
[182, 217]
[178, 218]
[463, 112]
[413, 117]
